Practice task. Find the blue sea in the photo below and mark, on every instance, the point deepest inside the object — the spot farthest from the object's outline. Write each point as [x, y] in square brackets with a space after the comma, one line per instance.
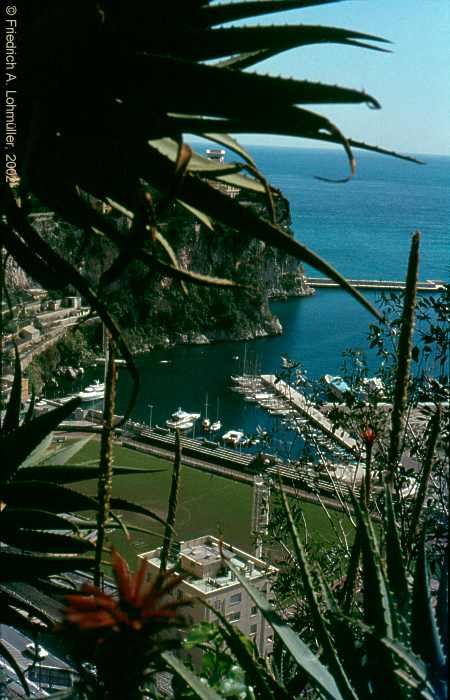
[362, 227]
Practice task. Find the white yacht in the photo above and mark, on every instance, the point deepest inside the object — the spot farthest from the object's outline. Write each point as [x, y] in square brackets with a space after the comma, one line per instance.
[182, 419]
[214, 427]
[93, 392]
[233, 437]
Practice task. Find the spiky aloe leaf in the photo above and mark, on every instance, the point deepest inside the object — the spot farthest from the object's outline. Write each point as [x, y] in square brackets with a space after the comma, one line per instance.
[377, 598]
[18, 444]
[48, 495]
[255, 669]
[62, 474]
[323, 636]
[348, 592]
[216, 43]
[71, 276]
[29, 567]
[201, 689]
[105, 471]
[38, 455]
[198, 214]
[230, 12]
[12, 415]
[425, 641]
[4, 651]
[173, 502]
[403, 358]
[442, 606]
[427, 465]
[33, 518]
[396, 569]
[123, 504]
[39, 541]
[318, 674]
[233, 145]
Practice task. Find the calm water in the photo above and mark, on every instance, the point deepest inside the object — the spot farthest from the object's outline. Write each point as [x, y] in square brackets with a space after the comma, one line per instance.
[363, 228]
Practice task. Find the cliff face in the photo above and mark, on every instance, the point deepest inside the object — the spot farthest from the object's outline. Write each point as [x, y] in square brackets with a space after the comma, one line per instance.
[153, 310]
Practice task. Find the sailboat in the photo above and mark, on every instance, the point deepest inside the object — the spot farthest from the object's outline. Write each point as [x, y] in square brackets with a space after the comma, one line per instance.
[206, 423]
[214, 427]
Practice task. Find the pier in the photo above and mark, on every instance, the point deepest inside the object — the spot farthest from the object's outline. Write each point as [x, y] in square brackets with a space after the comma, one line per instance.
[422, 286]
[298, 401]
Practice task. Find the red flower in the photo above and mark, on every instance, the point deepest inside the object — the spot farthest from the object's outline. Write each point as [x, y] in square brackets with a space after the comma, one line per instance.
[139, 605]
[368, 435]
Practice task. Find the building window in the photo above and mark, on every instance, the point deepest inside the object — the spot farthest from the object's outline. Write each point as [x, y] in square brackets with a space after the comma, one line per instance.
[236, 598]
[253, 629]
[218, 604]
[254, 610]
[234, 616]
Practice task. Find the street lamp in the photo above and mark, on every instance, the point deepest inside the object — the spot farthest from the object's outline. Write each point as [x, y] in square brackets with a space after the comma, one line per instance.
[150, 406]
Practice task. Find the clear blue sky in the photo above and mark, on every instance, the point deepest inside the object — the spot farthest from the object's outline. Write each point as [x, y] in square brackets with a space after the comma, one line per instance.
[412, 84]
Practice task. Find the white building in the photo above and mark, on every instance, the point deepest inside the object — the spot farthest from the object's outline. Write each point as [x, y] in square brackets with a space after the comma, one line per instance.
[206, 578]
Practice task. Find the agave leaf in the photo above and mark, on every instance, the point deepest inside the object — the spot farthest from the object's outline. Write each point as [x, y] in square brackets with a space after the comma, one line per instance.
[230, 12]
[201, 216]
[201, 689]
[9, 658]
[317, 673]
[368, 147]
[9, 613]
[33, 518]
[47, 495]
[29, 567]
[185, 275]
[19, 443]
[62, 474]
[425, 641]
[39, 453]
[38, 269]
[233, 145]
[72, 276]
[225, 209]
[216, 43]
[165, 245]
[323, 636]
[181, 84]
[38, 541]
[122, 504]
[199, 164]
[11, 420]
[396, 569]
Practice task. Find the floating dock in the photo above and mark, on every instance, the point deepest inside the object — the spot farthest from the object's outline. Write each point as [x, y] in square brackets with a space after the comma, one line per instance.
[298, 401]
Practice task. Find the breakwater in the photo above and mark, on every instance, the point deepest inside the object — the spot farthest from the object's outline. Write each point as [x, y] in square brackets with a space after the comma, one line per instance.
[395, 285]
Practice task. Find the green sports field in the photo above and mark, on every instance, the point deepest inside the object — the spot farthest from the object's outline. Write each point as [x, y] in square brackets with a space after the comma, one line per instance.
[208, 504]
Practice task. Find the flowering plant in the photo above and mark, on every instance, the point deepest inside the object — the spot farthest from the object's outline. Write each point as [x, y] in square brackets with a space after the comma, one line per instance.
[124, 635]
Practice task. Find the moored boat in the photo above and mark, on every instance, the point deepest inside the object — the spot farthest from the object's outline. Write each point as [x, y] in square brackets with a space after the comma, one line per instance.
[93, 392]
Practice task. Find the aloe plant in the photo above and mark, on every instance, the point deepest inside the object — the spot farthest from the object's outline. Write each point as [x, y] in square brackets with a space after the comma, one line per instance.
[39, 538]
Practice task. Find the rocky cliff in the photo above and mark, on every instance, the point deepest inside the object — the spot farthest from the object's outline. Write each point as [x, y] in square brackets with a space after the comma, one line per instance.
[153, 310]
